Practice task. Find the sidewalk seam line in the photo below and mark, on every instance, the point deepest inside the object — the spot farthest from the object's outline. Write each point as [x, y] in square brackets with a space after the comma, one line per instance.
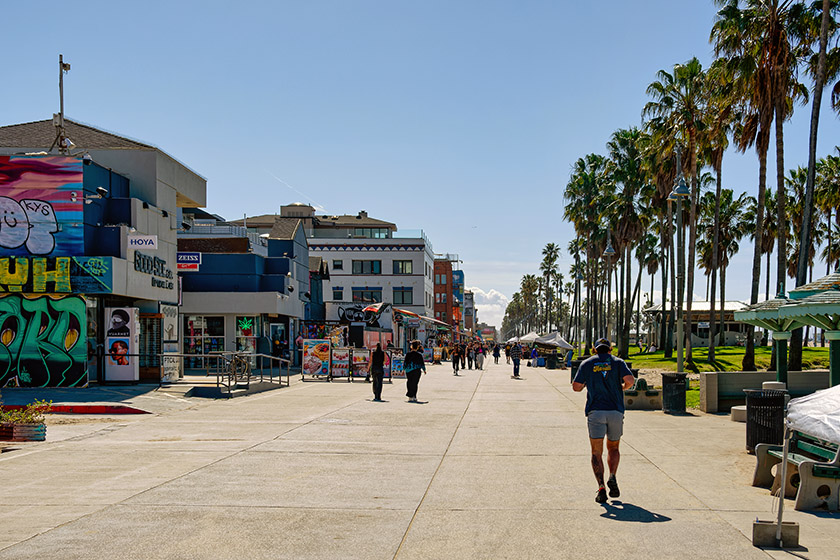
[437, 470]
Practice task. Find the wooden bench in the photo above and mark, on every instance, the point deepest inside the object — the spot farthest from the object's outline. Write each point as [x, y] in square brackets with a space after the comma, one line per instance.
[813, 476]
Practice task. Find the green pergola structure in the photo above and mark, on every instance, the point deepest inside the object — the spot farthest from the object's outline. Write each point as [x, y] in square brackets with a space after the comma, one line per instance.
[765, 315]
[818, 304]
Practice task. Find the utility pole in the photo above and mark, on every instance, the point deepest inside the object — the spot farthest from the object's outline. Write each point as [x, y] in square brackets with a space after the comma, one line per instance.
[58, 120]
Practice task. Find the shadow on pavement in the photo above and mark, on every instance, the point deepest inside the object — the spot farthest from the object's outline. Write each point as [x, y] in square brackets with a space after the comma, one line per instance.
[622, 511]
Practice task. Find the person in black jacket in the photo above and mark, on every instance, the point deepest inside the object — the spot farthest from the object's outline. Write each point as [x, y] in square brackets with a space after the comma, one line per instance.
[414, 364]
[377, 371]
[456, 358]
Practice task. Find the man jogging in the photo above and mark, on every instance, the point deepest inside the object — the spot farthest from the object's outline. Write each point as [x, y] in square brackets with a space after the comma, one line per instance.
[605, 378]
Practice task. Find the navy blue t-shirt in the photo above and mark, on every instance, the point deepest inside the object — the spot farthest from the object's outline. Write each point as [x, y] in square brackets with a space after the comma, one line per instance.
[603, 375]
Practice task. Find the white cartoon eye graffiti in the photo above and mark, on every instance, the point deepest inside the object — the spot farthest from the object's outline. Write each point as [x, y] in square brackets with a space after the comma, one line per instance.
[43, 225]
[14, 226]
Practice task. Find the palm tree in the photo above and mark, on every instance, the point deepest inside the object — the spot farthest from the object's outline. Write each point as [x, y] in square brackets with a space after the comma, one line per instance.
[679, 99]
[827, 199]
[733, 223]
[658, 150]
[755, 50]
[814, 29]
[548, 267]
[584, 198]
[719, 120]
[626, 152]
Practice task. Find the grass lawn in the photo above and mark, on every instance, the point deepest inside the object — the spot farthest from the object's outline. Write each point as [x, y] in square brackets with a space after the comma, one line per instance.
[727, 358]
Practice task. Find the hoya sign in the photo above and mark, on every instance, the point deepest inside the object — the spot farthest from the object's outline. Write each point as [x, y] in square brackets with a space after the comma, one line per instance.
[142, 241]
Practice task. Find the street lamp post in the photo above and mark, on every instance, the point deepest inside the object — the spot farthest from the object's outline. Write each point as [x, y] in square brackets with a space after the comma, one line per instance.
[677, 195]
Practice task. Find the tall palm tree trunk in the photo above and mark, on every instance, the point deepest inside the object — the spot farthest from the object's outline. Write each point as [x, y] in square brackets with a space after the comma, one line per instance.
[669, 342]
[722, 299]
[663, 269]
[748, 363]
[795, 347]
[805, 233]
[715, 251]
[692, 241]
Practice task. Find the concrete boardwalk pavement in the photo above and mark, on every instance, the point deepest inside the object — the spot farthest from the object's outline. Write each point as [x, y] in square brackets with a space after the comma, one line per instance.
[484, 467]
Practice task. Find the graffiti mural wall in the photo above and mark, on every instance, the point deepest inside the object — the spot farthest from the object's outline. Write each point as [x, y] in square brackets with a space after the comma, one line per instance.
[42, 341]
[76, 275]
[41, 206]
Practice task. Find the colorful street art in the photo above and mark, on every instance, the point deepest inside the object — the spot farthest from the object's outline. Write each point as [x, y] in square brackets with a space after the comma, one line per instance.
[42, 206]
[42, 341]
[60, 275]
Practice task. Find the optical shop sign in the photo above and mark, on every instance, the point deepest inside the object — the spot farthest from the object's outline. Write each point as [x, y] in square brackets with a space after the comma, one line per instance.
[162, 276]
[136, 241]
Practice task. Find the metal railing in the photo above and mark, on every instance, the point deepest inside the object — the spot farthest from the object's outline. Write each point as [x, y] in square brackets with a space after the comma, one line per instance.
[231, 369]
[234, 370]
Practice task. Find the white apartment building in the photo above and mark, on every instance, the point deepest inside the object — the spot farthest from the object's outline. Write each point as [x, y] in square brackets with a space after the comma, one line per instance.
[369, 261]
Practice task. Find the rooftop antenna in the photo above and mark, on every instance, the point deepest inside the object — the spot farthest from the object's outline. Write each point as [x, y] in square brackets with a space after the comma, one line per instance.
[64, 143]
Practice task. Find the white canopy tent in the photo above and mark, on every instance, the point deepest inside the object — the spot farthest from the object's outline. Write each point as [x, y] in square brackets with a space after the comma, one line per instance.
[554, 339]
[529, 338]
[817, 414]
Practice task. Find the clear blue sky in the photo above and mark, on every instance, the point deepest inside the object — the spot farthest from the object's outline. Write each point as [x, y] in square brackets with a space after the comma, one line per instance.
[459, 117]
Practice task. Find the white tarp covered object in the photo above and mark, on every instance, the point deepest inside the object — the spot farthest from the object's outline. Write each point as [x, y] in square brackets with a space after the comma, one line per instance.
[529, 338]
[554, 339]
[817, 414]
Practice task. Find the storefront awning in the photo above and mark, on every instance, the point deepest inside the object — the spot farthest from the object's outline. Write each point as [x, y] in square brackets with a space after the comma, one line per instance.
[406, 313]
[435, 322]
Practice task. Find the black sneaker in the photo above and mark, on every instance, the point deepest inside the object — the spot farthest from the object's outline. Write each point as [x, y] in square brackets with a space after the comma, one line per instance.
[601, 497]
[614, 491]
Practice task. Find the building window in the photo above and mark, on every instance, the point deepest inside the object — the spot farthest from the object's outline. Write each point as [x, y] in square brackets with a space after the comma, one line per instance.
[367, 267]
[371, 233]
[443, 298]
[403, 296]
[437, 298]
[440, 279]
[402, 267]
[443, 316]
[202, 335]
[367, 295]
[246, 334]
[338, 264]
[338, 294]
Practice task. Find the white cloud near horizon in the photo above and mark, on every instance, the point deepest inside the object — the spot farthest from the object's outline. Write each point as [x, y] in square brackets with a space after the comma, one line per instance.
[491, 306]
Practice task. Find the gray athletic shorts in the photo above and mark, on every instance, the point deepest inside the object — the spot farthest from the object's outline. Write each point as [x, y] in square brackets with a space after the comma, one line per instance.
[608, 423]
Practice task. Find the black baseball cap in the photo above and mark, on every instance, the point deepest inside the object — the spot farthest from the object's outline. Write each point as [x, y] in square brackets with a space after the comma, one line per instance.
[602, 342]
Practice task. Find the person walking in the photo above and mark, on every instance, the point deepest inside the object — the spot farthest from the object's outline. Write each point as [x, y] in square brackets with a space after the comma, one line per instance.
[479, 357]
[605, 378]
[470, 355]
[496, 353]
[377, 371]
[463, 352]
[516, 356]
[456, 358]
[507, 353]
[414, 364]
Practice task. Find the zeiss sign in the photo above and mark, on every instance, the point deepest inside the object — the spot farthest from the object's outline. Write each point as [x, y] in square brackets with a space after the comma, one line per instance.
[188, 261]
[142, 241]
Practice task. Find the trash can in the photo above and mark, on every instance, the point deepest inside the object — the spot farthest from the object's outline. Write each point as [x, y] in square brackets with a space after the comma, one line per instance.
[551, 361]
[575, 366]
[673, 392]
[765, 417]
[540, 362]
